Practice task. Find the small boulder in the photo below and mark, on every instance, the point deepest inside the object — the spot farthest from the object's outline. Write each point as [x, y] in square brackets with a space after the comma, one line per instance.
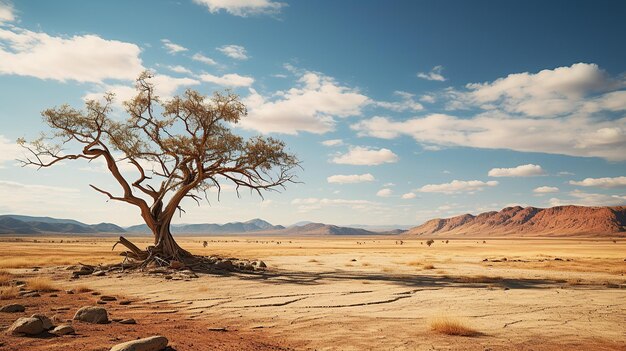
[125, 302]
[12, 308]
[108, 298]
[26, 326]
[128, 321]
[92, 314]
[153, 343]
[63, 330]
[46, 323]
[98, 273]
[262, 264]
[32, 294]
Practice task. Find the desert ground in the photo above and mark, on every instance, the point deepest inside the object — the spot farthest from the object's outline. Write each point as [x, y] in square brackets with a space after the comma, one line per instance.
[365, 293]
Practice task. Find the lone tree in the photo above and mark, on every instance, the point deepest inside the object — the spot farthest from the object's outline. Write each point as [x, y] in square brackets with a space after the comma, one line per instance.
[180, 148]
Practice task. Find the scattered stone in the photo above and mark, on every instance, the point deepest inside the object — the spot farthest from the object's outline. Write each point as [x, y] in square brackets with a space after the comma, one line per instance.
[108, 298]
[116, 319]
[53, 295]
[92, 314]
[218, 329]
[63, 330]
[125, 302]
[46, 323]
[485, 260]
[64, 308]
[57, 318]
[504, 259]
[128, 321]
[248, 267]
[225, 265]
[27, 326]
[12, 308]
[69, 292]
[558, 259]
[262, 264]
[32, 294]
[95, 293]
[353, 260]
[100, 302]
[98, 273]
[153, 343]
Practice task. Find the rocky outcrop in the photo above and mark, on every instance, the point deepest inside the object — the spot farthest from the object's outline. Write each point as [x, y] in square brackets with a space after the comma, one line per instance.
[557, 221]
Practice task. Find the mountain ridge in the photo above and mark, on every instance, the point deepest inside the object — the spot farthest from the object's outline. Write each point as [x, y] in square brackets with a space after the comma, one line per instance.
[558, 221]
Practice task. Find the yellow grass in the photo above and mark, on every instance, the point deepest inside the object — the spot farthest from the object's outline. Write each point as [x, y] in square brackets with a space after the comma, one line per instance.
[451, 326]
[41, 284]
[429, 266]
[5, 278]
[9, 292]
[81, 289]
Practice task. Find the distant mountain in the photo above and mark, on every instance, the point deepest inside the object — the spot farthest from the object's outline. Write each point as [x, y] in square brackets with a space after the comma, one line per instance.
[253, 225]
[19, 224]
[531, 221]
[324, 229]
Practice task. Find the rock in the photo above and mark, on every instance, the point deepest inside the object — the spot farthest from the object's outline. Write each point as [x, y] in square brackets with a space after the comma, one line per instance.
[108, 298]
[353, 260]
[168, 277]
[95, 293]
[217, 329]
[176, 264]
[46, 323]
[63, 330]
[248, 267]
[69, 292]
[53, 295]
[98, 273]
[128, 321]
[32, 294]
[117, 319]
[262, 264]
[558, 259]
[57, 318]
[12, 308]
[153, 343]
[92, 314]
[125, 302]
[100, 302]
[27, 326]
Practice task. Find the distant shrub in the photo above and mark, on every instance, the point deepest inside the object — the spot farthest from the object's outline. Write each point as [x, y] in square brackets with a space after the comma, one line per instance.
[451, 326]
[430, 242]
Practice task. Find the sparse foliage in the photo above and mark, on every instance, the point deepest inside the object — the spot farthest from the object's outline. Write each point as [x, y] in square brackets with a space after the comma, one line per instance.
[180, 149]
[430, 242]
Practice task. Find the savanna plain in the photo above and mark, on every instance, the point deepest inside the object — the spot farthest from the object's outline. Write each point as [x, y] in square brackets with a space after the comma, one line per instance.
[348, 293]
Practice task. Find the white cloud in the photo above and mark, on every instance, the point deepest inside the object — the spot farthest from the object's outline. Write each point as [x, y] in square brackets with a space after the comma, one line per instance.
[408, 196]
[568, 110]
[7, 12]
[365, 156]
[242, 8]
[236, 52]
[589, 199]
[83, 58]
[349, 179]
[229, 80]
[406, 103]
[311, 106]
[165, 87]
[434, 74]
[332, 142]
[428, 98]
[36, 199]
[385, 192]
[546, 190]
[528, 170]
[9, 151]
[179, 69]
[457, 186]
[312, 203]
[204, 59]
[615, 182]
[172, 48]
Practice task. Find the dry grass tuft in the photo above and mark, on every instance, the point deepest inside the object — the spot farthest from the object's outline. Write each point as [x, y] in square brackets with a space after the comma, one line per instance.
[414, 263]
[41, 284]
[451, 326]
[81, 289]
[5, 278]
[9, 292]
[429, 266]
[366, 264]
[313, 260]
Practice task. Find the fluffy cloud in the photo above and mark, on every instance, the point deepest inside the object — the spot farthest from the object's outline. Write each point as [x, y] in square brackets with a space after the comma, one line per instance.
[242, 8]
[385, 192]
[9, 151]
[528, 170]
[406, 103]
[408, 196]
[332, 142]
[365, 156]
[607, 182]
[171, 47]
[201, 58]
[236, 52]
[6, 12]
[165, 87]
[589, 199]
[179, 69]
[82, 58]
[349, 179]
[36, 199]
[457, 186]
[229, 80]
[311, 106]
[434, 74]
[546, 190]
[312, 203]
[568, 110]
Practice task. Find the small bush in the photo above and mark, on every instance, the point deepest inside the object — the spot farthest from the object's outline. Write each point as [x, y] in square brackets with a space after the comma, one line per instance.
[81, 289]
[430, 242]
[5, 278]
[41, 284]
[451, 326]
[9, 292]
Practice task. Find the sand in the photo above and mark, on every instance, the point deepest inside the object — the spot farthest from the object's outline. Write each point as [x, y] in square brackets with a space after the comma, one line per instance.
[374, 294]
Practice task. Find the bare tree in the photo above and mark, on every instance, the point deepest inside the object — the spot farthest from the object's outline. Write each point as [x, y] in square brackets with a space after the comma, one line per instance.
[180, 148]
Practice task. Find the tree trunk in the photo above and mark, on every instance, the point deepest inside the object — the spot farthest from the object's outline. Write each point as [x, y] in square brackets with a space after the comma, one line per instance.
[166, 246]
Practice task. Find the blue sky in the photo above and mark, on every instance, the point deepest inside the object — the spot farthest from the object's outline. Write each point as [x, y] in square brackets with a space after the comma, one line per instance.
[400, 111]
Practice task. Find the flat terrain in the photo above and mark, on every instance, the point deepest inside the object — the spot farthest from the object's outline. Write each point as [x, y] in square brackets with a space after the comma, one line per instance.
[371, 293]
